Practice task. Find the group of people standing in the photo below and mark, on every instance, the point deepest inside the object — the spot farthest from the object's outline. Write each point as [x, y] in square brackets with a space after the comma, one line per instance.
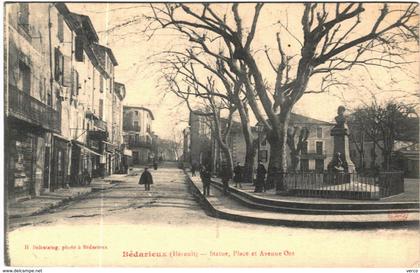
[226, 176]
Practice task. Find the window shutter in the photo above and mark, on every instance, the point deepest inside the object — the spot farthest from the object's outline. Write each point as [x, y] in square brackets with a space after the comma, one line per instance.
[60, 28]
[79, 49]
[101, 84]
[76, 80]
[67, 75]
[57, 69]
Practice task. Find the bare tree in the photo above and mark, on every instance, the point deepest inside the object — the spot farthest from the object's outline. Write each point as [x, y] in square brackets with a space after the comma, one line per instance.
[183, 81]
[336, 37]
[383, 124]
[300, 135]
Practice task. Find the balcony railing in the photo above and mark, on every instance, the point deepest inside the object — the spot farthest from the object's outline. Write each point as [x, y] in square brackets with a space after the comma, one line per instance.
[128, 127]
[24, 106]
[139, 144]
[100, 124]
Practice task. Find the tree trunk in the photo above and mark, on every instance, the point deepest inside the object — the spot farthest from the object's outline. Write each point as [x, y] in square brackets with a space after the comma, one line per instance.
[294, 160]
[248, 171]
[227, 157]
[278, 152]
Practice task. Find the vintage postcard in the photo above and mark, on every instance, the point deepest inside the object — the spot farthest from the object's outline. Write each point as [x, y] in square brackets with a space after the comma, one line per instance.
[211, 134]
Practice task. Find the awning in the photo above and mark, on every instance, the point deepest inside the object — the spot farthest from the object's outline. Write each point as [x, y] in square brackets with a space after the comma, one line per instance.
[89, 150]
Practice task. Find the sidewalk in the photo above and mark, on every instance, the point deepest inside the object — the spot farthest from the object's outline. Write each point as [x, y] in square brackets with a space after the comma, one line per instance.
[49, 200]
[226, 207]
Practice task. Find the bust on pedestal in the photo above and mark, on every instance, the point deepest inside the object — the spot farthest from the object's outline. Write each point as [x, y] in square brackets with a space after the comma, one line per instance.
[341, 159]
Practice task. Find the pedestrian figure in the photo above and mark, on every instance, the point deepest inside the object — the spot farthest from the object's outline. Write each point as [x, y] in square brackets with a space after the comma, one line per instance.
[86, 177]
[155, 165]
[206, 179]
[193, 169]
[226, 175]
[238, 175]
[261, 171]
[146, 179]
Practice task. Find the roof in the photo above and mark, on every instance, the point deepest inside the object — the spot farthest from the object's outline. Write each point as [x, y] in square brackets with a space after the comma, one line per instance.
[139, 108]
[301, 119]
[102, 51]
[85, 26]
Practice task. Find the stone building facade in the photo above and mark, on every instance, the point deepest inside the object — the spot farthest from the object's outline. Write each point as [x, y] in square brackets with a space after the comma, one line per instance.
[138, 134]
[317, 151]
[315, 156]
[53, 99]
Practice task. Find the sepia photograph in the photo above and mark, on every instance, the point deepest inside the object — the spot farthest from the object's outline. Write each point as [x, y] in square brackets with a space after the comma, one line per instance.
[211, 134]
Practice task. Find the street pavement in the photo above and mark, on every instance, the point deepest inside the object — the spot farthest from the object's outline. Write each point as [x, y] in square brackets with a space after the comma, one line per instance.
[127, 218]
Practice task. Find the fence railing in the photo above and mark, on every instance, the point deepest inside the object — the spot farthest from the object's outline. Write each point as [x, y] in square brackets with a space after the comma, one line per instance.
[100, 124]
[26, 107]
[344, 185]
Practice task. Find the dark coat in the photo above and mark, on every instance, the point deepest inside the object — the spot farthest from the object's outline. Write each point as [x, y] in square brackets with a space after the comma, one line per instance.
[146, 178]
[238, 174]
[225, 174]
[261, 171]
[205, 176]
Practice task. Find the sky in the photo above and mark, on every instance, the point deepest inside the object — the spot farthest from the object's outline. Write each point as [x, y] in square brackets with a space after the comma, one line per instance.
[135, 54]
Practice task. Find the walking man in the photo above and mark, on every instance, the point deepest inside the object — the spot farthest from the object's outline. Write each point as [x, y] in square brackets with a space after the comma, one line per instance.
[238, 175]
[146, 179]
[205, 178]
[261, 171]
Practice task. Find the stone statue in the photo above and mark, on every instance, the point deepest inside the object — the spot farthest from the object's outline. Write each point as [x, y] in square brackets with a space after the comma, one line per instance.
[340, 119]
[337, 164]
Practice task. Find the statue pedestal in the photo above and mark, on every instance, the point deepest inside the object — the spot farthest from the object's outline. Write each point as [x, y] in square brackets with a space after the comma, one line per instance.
[341, 145]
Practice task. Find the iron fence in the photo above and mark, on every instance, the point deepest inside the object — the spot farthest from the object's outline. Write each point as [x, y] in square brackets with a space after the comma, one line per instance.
[344, 185]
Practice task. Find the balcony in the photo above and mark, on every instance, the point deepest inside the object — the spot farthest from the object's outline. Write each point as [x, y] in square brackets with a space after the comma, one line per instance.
[97, 120]
[25, 107]
[97, 135]
[100, 124]
[129, 127]
[139, 144]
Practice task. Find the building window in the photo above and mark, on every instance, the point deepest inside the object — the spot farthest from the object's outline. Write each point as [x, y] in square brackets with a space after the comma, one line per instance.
[101, 108]
[79, 49]
[319, 147]
[136, 126]
[304, 150]
[60, 28]
[75, 83]
[136, 113]
[24, 16]
[304, 165]
[319, 132]
[24, 82]
[58, 65]
[49, 99]
[101, 84]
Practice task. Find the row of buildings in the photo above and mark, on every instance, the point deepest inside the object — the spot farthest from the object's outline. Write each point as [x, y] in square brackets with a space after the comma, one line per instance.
[63, 106]
[201, 147]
